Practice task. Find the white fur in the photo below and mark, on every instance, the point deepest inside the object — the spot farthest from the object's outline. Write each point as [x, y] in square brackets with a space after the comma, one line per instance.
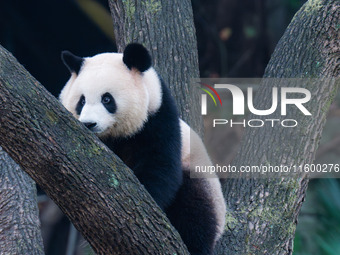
[153, 86]
[65, 93]
[195, 154]
[136, 94]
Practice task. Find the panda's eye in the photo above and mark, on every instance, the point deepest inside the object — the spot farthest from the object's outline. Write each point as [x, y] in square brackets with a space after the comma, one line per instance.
[82, 101]
[106, 99]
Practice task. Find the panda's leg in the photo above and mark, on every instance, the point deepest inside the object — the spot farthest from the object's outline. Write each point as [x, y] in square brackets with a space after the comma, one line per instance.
[192, 214]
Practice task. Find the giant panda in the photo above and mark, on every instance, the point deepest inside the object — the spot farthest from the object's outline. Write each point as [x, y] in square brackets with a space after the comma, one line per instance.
[122, 99]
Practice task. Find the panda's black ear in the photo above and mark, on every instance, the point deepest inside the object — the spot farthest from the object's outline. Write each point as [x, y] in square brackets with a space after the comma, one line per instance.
[72, 62]
[137, 56]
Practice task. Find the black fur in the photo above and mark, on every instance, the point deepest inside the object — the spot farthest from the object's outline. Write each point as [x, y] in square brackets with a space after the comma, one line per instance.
[136, 56]
[72, 62]
[154, 154]
[191, 213]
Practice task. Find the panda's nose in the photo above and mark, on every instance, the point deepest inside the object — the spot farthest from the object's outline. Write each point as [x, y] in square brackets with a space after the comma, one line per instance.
[90, 125]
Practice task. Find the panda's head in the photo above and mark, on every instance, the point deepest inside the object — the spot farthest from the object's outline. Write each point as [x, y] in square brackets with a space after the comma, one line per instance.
[112, 93]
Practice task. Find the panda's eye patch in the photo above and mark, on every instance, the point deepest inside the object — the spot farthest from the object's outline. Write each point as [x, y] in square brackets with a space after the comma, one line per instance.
[109, 103]
[80, 104]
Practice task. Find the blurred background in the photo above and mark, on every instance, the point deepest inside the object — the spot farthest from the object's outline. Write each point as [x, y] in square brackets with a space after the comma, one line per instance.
[235, 39]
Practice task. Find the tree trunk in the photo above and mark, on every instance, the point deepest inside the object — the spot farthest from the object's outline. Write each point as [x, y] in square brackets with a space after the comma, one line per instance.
[99, 194]
[19, 217]
[262, 213]
[167, 29]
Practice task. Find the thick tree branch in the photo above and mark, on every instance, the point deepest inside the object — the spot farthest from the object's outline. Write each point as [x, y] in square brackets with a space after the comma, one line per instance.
[19, 217]
[263, 213]
[100, 195]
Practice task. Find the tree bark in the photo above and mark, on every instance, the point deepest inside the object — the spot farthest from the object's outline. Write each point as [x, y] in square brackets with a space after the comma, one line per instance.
[99, 194]
[262, 213]
[19, 214]
[167, 29]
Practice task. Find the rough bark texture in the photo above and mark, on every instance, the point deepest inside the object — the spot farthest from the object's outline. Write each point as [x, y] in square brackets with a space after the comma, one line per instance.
[88, 182]
[19, 214]
[167, 29]
[262, 213]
